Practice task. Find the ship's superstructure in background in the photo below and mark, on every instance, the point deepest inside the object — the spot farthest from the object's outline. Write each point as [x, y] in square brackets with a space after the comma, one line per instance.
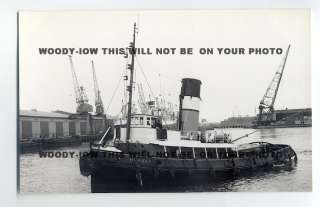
[143, 151]
[157, 106]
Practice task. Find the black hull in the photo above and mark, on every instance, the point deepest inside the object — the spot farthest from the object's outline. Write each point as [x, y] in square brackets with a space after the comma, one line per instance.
[127, 183]
[125, 174]
[119, 180]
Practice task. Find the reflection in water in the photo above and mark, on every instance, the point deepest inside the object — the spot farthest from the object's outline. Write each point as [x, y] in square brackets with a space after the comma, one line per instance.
[63, 174]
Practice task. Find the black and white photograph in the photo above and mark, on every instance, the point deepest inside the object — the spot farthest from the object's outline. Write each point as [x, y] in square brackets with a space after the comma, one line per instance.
[157, 101]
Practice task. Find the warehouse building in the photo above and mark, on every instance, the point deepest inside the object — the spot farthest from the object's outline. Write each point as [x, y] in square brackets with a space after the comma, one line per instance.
[238, 122]
[39, 124]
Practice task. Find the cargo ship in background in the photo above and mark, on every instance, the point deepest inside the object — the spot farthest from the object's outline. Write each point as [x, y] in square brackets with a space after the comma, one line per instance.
[144, 151]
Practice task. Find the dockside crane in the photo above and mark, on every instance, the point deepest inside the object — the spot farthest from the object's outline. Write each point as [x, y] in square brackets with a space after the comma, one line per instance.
[266, 107]
[97, 93]
[81, 97]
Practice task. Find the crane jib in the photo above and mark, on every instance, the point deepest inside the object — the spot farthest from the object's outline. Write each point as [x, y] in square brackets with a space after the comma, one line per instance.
[266, 106]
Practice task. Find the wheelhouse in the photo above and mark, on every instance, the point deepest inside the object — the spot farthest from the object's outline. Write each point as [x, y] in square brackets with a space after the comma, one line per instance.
[142, 121]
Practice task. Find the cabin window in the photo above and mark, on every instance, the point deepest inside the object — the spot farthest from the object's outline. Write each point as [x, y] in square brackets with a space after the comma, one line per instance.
[148, 121]
[141, 120]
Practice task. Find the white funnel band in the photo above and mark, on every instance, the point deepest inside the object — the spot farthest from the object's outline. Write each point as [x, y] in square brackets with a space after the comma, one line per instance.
[191, 103]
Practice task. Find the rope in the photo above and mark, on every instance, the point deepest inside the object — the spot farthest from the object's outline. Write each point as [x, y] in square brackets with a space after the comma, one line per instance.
[114, 93]
[145, 77]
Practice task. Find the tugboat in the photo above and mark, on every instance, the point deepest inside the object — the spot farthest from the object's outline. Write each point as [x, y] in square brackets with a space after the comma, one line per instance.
[143, 151]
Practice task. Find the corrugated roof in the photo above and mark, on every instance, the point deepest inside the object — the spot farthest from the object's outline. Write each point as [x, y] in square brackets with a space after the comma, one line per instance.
[36, 113]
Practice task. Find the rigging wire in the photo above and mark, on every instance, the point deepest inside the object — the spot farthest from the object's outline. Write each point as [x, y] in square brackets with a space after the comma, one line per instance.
[144, 75]
[114, 93]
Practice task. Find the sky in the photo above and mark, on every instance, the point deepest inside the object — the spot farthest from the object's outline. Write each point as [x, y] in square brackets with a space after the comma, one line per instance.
[232, 85]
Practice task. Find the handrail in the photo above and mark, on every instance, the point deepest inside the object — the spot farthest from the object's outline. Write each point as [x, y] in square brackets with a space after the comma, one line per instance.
[105, 134]
[246, 135]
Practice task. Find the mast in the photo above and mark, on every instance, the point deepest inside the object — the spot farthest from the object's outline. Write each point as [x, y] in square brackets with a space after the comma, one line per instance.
[129, 88]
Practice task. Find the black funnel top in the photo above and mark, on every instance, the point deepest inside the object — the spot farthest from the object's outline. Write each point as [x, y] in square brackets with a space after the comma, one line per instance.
[190, 87]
